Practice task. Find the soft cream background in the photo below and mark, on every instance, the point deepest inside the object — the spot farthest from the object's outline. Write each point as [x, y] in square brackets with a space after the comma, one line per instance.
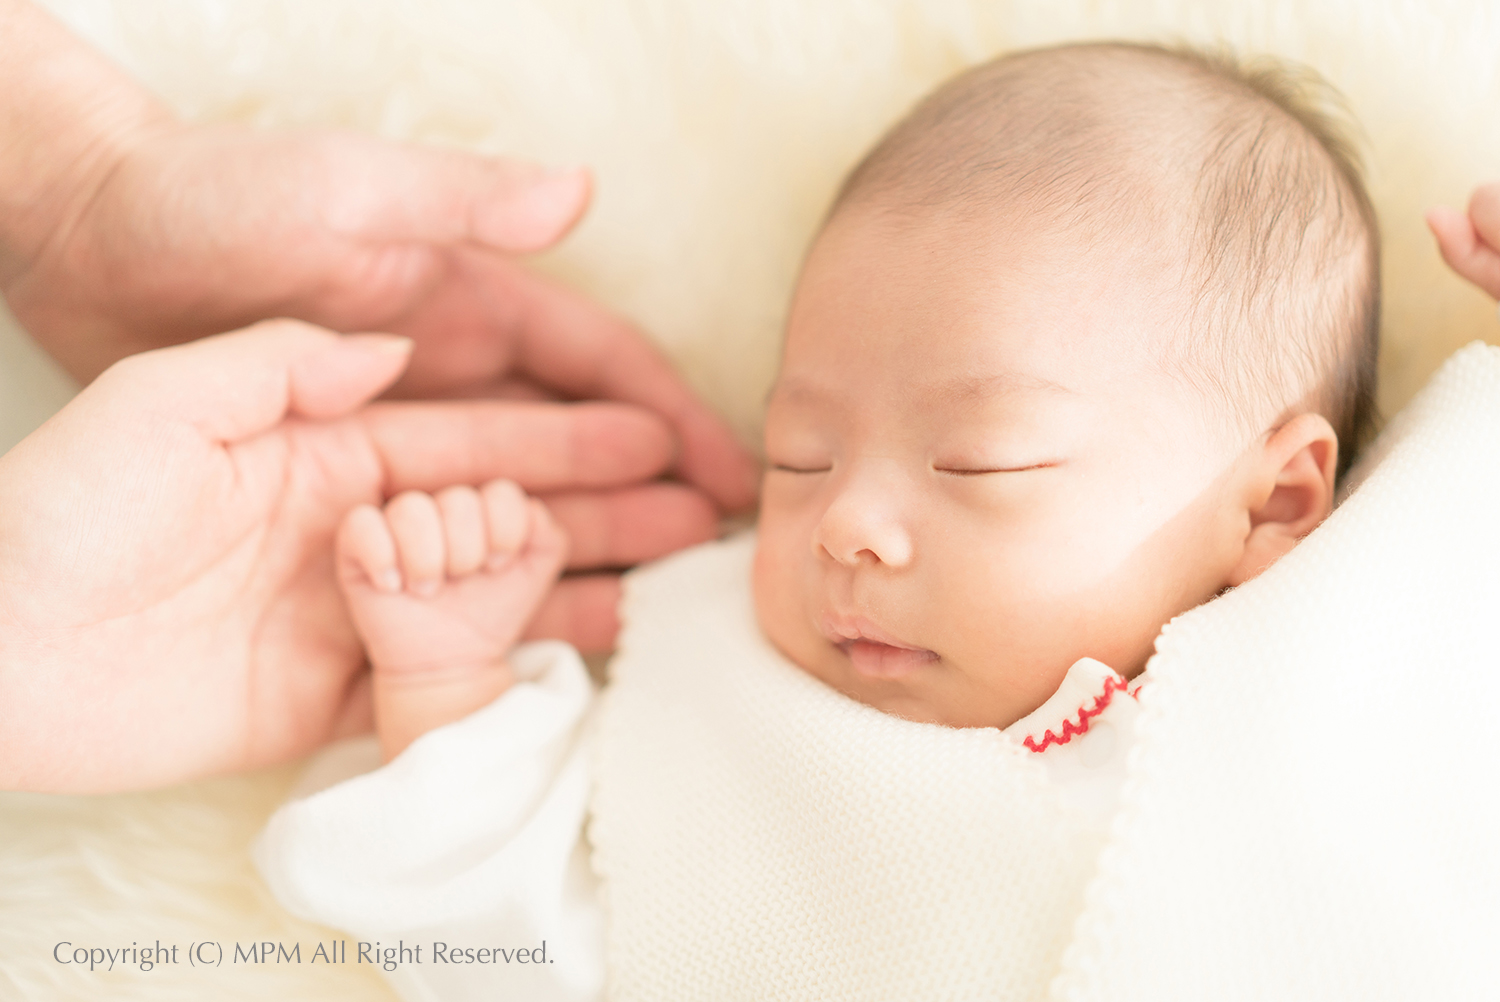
[717, 132]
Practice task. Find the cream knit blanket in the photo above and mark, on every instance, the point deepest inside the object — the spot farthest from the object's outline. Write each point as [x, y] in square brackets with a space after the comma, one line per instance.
[1311, 811]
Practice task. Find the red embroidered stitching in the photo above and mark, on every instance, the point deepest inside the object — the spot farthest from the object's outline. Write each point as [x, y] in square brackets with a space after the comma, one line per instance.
[1071, 730]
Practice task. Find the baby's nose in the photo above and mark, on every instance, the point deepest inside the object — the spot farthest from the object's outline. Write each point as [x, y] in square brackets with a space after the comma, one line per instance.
[864, 526]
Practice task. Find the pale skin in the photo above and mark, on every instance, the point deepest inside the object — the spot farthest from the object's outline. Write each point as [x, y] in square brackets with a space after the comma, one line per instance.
[978, 473]
[969, 489]
[124, 229]
[441, 587]
[169, 607]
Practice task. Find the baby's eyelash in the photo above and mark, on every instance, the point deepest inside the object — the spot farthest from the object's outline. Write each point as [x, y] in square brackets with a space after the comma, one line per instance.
[783, 468]
[998, 469]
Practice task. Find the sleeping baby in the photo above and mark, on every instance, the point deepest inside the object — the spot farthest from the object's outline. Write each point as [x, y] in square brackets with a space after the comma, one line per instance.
[1083, 342]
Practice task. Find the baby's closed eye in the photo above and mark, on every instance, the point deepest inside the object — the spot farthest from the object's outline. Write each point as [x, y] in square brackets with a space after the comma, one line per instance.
[976, 467]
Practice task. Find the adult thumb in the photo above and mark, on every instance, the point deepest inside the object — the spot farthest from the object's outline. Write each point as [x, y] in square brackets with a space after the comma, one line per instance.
[233, 386]
[404, 192]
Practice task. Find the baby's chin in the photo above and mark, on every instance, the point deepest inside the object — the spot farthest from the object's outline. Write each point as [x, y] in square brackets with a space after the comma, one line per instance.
[914, 707]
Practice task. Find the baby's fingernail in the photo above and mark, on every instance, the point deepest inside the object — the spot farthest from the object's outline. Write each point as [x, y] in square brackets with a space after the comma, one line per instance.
[426, 588]
[498, 560]
[388, 580]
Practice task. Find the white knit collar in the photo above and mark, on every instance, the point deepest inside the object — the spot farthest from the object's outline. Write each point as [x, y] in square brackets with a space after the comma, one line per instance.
[1086, 691]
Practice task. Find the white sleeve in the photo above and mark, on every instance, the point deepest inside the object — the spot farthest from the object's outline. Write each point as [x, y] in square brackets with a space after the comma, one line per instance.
[470, 843]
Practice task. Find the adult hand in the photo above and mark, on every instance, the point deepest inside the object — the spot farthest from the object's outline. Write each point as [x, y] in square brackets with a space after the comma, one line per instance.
[121, 230]
[168, 604]
[198, 230]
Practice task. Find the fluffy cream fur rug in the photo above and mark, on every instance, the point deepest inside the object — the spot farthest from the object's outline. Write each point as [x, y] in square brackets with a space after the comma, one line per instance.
[717, 132]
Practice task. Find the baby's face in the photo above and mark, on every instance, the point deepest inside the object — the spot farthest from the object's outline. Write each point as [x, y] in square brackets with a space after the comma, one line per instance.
[978, 472]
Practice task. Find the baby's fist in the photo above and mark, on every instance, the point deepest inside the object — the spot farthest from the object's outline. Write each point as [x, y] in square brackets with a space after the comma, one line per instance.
[440, 588]
[437, 579]
[1471, 244]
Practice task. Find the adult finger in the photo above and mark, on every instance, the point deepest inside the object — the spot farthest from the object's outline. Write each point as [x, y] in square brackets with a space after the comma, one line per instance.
[234, 386]
[581, 610]
[543, 447]
[384, 191]
[571, 345]
[624, 527]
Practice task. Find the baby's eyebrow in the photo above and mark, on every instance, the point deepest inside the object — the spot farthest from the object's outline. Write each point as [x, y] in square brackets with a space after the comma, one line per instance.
[974, 387]
[961, 388]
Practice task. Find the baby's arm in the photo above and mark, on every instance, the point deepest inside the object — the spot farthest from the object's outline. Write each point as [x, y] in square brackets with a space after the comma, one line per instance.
[440, 587]
[1471, 244]
[474, 836]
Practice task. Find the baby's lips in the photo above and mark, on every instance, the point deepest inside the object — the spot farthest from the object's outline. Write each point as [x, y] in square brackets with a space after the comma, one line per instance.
[840, 629]
[875, 660]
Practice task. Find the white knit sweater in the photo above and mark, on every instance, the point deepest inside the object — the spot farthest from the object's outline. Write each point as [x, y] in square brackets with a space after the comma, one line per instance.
[758, 834]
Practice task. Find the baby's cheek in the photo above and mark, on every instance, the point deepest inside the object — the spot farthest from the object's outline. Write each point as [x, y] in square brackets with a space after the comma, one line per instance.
[782, 555]
[769, 574]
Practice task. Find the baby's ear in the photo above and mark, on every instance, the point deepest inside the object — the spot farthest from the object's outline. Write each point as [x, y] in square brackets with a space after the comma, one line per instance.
[1290, 491]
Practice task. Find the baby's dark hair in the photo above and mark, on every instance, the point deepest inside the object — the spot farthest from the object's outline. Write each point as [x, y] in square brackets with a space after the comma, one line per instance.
[1248, 165]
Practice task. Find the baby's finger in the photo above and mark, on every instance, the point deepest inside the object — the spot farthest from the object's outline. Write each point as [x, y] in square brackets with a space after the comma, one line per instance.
[356, 716]
[417, 527]
[580, 610]
[547, 545]
[366, 551]
[507, 516]
[463, 529]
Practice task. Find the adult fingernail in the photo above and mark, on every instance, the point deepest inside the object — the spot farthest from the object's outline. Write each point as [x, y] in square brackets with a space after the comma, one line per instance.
[555, 192]
[536, 214]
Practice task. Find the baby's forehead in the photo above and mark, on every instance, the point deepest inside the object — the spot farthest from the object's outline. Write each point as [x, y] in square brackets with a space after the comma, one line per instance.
[972, 304]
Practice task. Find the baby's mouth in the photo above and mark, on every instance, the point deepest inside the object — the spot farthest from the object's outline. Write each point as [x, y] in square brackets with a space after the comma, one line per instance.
[877, 660]
[873, 652]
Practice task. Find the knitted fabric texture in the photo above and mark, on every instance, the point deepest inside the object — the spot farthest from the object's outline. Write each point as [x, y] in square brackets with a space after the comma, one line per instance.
[1312, 809]
[761, 836]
